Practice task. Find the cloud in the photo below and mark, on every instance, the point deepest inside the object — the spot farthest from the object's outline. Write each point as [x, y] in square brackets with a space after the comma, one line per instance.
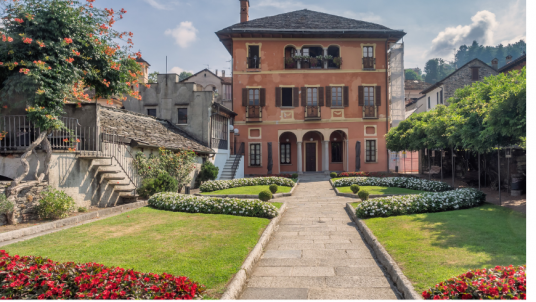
[513, 24]
[481, 30]
[156, 4]
[185, 34]
[178, 70]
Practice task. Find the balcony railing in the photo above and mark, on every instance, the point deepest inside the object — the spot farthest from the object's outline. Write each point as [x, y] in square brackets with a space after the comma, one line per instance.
[368, 63]
[220, 143]
[369, 111]
[290, 63]
[254, 112]
[253, 62]
[312, 112]
[312, 63]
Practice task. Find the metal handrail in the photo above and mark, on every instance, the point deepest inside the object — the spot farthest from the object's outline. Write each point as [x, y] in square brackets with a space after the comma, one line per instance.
[238, 157]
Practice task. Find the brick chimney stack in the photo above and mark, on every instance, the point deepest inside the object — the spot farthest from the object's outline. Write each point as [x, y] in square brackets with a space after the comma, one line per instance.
[223, 73]
[216, 72]
[495, 63]
[244, 11]
[508, 59]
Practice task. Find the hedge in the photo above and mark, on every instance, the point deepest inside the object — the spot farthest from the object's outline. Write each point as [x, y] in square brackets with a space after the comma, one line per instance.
[216, 185]
[420, 203]
[31, 277]
[212, 205]
[497, 283]
[372, 174]
[398, 182]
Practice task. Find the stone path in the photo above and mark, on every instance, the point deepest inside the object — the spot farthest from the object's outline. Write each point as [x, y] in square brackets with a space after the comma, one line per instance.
[317, 252]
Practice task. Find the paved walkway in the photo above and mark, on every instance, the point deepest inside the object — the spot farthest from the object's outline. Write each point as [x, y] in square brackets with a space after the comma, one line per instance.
[317, 252]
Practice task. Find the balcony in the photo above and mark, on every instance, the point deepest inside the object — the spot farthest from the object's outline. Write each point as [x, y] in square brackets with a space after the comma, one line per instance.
[312, 113]
[253, 62]
[304, 62]
[290, 63]
[254, 113]
[368, 63]
[369, 112]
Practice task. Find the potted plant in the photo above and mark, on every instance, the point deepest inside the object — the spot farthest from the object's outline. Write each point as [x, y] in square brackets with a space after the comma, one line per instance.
[290, 62]
[337, 61]
[313, 61]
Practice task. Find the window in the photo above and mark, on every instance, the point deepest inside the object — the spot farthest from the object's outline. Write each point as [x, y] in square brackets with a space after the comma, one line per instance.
[429, 103]
[336, 96]
[219, 131]
[437, 98]
[285, 153]
[312, 96]
[368, 57]
[370, 151]
[255, 155]
[254, 58]
[228, 92]
[441, 96]
[253, 97]
[305, 51]
[151, 112]
[286, 97]
[474, 73]
[369, 96]
[183, 115]
[336, 152]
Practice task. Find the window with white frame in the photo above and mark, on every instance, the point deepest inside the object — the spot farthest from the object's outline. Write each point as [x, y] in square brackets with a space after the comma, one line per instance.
[254, 97]
[312, 96]
[370, 151]
[369, 95]
[255, 155]
[285, 153]
[336, 96]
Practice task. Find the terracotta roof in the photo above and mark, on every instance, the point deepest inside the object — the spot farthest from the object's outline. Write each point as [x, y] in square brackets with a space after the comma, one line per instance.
[227, 80]
[513, 64]
[146, 130]
[415, 85]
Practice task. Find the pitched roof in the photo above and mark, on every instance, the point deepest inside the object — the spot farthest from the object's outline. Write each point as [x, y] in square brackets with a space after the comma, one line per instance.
[228, 80]
[434, 86]
[141, 60]
[146, 130]
[415, 85]
[513, 64]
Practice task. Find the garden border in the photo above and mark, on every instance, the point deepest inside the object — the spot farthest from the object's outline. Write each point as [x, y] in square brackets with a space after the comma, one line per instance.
[274, 196]
[237, 284]
[357, 197]
[397, 276]
[17, 234]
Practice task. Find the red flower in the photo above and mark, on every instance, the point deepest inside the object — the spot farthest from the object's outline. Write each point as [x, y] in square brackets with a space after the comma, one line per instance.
[467, 297]
[425, 295]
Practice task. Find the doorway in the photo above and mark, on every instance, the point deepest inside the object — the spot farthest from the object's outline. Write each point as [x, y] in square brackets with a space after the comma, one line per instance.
[310, 157]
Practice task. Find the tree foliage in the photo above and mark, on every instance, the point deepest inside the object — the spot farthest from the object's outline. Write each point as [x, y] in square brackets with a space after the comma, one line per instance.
[410, 74]
[487, 53]
[184, 75]
[480, 117]
[153, 77]
[437, 69]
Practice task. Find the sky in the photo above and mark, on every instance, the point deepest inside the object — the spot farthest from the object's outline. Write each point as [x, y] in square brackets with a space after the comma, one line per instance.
[184, 30]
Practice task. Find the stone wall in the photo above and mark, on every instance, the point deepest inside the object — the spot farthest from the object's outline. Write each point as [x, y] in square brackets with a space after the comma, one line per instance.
[25, 204]
[463, 77]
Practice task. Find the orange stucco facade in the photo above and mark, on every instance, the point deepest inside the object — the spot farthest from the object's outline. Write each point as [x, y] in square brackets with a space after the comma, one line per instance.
[344, 130]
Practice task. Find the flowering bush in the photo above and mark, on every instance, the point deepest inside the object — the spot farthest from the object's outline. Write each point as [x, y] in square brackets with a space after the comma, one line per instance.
[399, 182]
[420, 203]
[212, 205]
[275, 175]
[217, 185]
[498, 283]
[55, 204]
[31, 277]
[371, 174]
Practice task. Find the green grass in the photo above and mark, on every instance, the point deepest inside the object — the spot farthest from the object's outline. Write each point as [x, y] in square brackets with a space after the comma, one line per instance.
[375, 190]
[209, 249]
[277, 204]
[433, 247]
[355, 204]
[248, 190]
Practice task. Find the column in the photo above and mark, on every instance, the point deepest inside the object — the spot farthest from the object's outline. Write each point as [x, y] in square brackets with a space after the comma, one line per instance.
[325, 54]
[300, 169]
[279, 157]
[325, 157]
[347, 158]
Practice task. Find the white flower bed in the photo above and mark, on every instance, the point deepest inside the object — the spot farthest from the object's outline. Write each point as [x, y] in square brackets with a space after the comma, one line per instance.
[216, 185]
[420, 203]
[212, 205]
[398, 182]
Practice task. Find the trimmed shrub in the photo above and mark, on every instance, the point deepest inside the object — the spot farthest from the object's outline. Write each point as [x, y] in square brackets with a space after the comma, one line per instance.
[354, 188]
[295, 175]
[265, 195]
[333, 174]
[31, 278]
[208, 172]
[420, 203]
[82, 209]
[363, 195]
[501, 282]
[54, 204]
[212, 205]
[162, 183]
[216, 185]
[397, 182]
[273, 188]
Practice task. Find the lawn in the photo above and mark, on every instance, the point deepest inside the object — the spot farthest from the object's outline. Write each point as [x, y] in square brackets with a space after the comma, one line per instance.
[208, 249]
[433, 247]
[375, 190]
[277, 204]
[248, 190]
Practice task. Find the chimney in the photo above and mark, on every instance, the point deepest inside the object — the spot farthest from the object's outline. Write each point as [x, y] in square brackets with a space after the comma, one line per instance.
[508, 59]
[216, 72]
[495, 63]
[244, 11]
[223, 73]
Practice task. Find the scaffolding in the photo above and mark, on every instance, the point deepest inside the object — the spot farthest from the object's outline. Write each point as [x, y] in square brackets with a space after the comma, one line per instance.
[396, 83]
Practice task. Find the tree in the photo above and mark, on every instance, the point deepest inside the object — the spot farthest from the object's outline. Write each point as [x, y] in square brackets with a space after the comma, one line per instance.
[437, 69]
[184, 75]
[486, 54]
[153, 77]
[51, 51]
[410, 74]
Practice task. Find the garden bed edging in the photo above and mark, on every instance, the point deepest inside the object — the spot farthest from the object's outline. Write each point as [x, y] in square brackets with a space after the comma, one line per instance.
[274, 196]
[357, 197]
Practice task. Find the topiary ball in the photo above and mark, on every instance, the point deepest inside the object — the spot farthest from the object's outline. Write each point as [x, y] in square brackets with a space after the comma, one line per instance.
[363, 195]
[273, 188]
[265, 195]
[333, 174]
[354, 188]
[295, 175]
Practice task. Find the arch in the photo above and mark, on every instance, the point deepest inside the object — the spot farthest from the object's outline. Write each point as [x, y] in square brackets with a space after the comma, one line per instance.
[287, 152]
[345, 131]
[210, 87]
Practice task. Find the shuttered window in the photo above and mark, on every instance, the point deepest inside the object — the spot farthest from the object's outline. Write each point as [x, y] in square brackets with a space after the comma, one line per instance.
[312, 96]
[255, 155]
[253, 97]
[285, 154]
[369, 96]
[474, 73]
[336, 96]
[286, 97]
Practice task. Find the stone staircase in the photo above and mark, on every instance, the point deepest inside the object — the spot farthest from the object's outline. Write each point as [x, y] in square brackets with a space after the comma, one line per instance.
[228, 173]
[110, 174]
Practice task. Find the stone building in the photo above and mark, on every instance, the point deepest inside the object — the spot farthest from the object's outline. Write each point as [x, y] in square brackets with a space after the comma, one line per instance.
[440, 92]
[221, 86]
[516, 64]
[412, 94]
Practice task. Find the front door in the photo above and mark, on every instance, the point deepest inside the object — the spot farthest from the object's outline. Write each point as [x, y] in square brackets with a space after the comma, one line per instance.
[310, 157]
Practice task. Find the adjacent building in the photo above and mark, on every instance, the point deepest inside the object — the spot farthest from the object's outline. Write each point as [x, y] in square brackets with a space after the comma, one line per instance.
[311, 91]
[222, 86]
[516, 64]
[412, 94]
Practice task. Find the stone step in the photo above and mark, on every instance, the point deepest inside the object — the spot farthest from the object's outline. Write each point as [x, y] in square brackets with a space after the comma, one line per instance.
[109, 178]
[124, 189]
[118, 184]
[94, 157]
[109, 171]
